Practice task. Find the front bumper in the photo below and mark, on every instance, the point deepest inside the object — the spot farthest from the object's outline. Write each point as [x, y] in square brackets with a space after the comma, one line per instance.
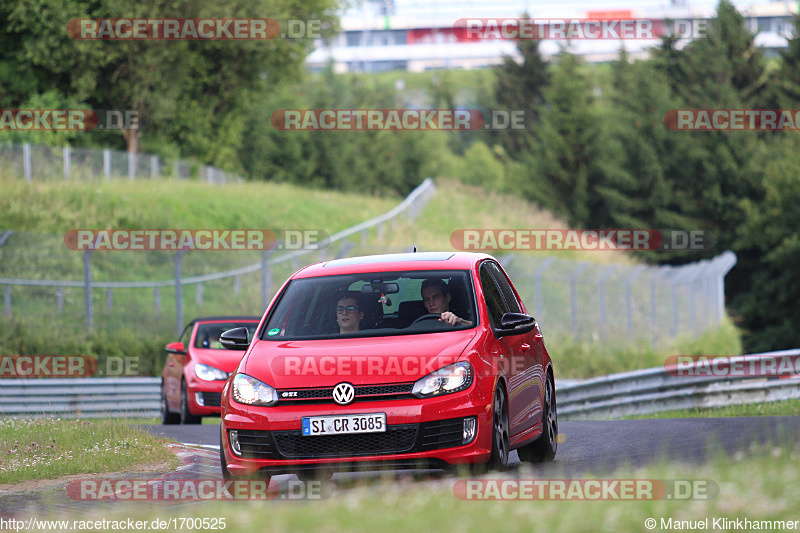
[422, 433]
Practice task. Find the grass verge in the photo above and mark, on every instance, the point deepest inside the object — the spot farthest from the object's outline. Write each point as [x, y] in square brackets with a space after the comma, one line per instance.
[48, 448]
[756, 485]
[782, 408]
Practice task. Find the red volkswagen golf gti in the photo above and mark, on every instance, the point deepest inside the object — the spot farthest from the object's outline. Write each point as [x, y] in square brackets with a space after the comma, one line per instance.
[196, 368]
[393, 361]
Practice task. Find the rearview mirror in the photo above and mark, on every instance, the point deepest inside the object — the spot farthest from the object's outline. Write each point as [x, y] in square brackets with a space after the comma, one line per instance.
[235, 339]
[384, 288]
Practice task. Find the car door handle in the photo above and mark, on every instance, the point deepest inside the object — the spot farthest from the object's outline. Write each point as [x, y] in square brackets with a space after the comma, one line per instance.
[525, 347]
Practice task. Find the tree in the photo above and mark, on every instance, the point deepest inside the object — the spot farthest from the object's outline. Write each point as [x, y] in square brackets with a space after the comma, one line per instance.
[564, 165]
[193, 92]
[769, 244]
[521, 87]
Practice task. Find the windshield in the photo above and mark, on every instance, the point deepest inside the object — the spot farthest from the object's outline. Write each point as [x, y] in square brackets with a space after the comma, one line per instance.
[208, 334]
[373, 304]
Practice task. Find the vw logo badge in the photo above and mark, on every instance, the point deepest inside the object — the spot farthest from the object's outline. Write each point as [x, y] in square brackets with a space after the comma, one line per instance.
[343, 393]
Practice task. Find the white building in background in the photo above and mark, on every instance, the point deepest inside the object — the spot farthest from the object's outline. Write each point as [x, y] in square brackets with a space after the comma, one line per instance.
[417, 35]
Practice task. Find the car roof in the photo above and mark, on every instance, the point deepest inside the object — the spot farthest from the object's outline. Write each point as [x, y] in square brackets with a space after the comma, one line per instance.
[395, 262]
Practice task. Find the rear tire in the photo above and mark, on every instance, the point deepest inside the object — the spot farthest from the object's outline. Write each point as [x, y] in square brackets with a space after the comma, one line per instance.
[544, 448]
[167, 416]
[186, 416]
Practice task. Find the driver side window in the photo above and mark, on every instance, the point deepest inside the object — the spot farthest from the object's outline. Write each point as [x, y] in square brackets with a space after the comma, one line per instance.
[494, 300]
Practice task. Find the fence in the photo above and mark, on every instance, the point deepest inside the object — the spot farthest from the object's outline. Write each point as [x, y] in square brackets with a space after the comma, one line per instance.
[49, 163]
[217, 289]
[591, 302]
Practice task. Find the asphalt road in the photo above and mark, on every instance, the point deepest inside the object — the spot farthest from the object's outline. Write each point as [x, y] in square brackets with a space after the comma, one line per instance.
[601, 446]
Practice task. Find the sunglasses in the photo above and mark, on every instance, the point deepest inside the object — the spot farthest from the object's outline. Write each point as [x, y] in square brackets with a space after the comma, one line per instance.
[349, 309]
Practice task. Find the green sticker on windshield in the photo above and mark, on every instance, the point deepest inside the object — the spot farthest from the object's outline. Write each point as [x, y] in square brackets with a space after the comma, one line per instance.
[274, 331]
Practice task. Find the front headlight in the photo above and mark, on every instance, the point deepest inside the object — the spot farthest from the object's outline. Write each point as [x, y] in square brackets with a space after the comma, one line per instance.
[446, 380]
[250, 391]
[209, 373]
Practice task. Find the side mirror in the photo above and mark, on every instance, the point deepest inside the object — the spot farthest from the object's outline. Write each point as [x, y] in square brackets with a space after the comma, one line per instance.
[176, 348]
[516, 323]
[235, 339]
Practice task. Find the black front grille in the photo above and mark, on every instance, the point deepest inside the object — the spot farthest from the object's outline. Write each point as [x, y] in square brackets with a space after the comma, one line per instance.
[257, 444]
[396, 439]
[212, 399]
[400, 438]
[393, 391]
[441, 434]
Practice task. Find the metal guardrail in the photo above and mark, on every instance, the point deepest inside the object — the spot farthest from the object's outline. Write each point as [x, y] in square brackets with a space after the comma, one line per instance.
[81, 397]
[655, 390]
[639, 392]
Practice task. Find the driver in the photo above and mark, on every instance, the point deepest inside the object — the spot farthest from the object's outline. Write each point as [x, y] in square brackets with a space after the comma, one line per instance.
[348, 314]
[436, 297]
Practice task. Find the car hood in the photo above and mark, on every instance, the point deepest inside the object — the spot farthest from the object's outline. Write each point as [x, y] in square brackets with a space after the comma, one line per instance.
[360, 361]
[225, 360]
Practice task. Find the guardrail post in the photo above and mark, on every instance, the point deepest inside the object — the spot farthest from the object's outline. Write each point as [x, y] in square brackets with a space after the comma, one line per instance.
[237, 285]
[157, 300]
[602, 293]
[26, 162]
[573, 297]
[67, 161]
[132, 170]
[380, 233]
[266, 279]
[661, 272]
[7, 300]
[198, 294]
[60, 299]
[154, 166]
[87, 287]
[537, 284]
[109, 301]
[345, 249]
[107, 163]
[629, 298]
[178, 291]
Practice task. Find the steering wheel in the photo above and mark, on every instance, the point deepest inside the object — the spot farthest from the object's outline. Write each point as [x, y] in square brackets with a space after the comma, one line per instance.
[427, 316]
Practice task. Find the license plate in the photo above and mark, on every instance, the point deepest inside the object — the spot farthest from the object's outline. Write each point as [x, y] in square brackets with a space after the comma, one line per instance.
[344, 424]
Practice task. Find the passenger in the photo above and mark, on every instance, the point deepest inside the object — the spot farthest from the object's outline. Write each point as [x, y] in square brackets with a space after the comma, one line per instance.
[436, 297]
[348, 314]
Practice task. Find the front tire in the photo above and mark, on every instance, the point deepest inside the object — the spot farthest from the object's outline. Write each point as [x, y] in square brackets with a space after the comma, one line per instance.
[544, 448]
[500, 439]
[186, 416]
[226, 474]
